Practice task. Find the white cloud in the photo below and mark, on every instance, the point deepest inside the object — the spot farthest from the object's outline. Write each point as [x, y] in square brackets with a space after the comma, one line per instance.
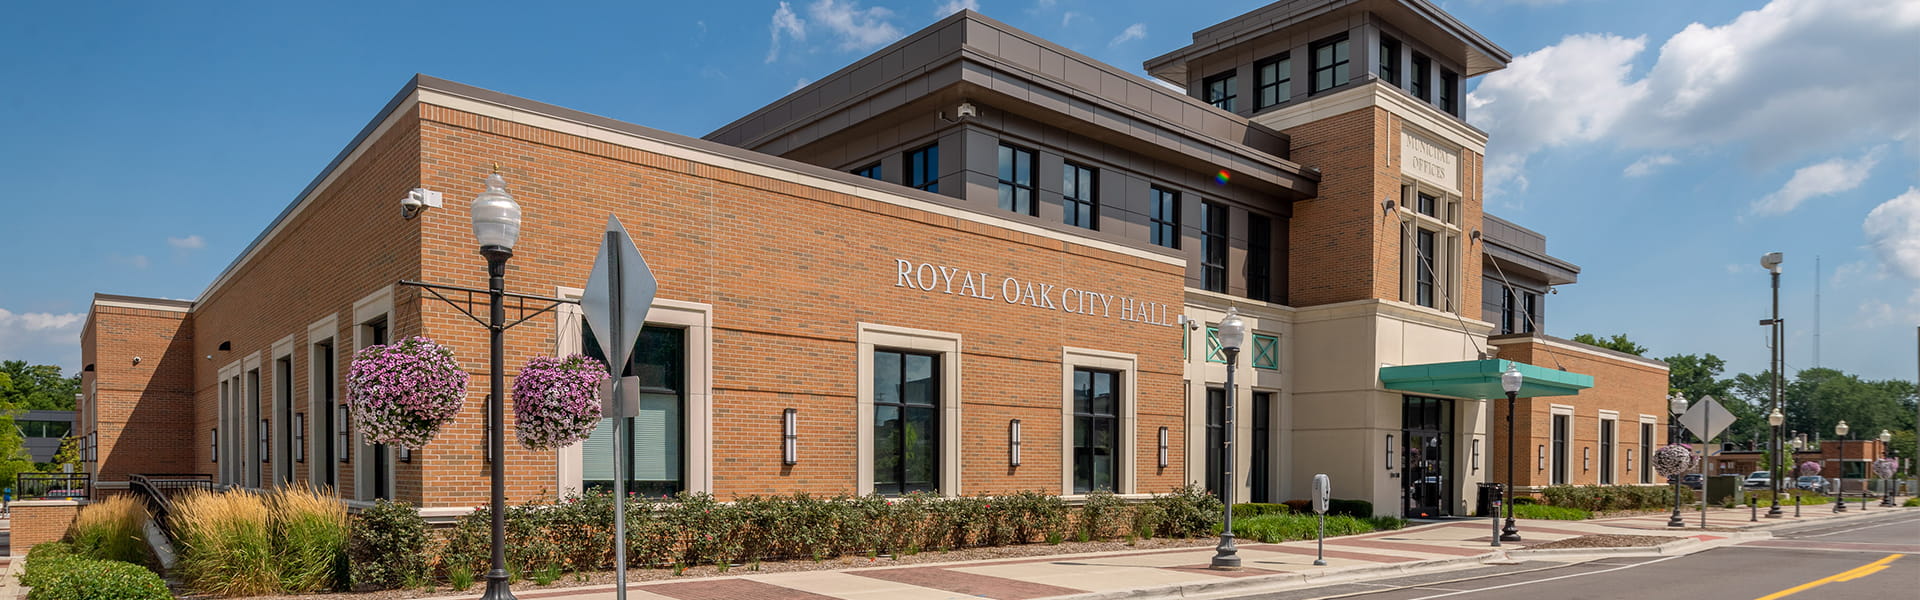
[953, 6]
[1046, 3]
[1066, 19]
[1133, 32]
[799, 83]
[137, 261]
[191, 242]
[1824, 179]
[1648, 164]
[1779, 82]
[1893, 231]
[41, 338]
[785, 24]
[1876, 314]
[856, 28]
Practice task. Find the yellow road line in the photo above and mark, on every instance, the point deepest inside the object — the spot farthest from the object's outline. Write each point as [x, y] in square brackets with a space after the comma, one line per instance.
[1849, 575]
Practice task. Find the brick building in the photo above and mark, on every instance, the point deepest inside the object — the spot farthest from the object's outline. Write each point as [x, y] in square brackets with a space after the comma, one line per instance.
[971, 228]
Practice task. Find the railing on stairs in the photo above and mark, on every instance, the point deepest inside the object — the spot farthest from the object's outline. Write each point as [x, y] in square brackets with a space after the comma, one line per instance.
[160, 489]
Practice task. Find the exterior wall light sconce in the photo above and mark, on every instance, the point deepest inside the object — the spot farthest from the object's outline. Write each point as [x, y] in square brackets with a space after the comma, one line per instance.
[265, 444]
[406, 454]
[1629, 460]
[1389, 452]
[299, 437]
[1163, 447]
[341, 448]
[1541, 458]
[1476, 455]
[214, 450]
[1586, 458]
[790, 437]
[1013, 443]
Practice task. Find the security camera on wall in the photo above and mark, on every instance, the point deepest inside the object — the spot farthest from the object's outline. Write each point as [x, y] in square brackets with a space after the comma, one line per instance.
[417, 201]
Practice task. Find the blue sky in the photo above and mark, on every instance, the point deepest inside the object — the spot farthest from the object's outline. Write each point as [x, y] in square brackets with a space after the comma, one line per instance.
[1662, 146]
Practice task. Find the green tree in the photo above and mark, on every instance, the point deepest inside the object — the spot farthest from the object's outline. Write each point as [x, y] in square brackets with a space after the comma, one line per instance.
[13, 449]
[1618, 342]
[37, 387]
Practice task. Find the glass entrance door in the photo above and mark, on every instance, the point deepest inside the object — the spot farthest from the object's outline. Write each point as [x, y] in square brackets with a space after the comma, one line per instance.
[1427, 456]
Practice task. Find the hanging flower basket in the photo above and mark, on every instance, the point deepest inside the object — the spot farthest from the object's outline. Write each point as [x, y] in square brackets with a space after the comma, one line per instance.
[1673, 459]
[1809, 468]
[1884, 467]
[556, 401]
[403, 393]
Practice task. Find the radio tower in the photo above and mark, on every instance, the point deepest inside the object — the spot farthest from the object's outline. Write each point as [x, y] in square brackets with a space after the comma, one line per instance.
[1816, 311]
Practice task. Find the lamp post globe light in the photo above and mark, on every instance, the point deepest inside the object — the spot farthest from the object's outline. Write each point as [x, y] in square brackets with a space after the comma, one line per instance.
[1793, 470]
[1839, 486]
[1774, 419]
[1677, 405]
[1510, 382]
[496, 225]
[1232, 332]
[1886, 498]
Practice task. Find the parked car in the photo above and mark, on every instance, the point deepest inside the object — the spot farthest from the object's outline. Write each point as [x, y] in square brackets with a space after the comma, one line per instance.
[1692, 480]
[1759, 479]
[1811, 482]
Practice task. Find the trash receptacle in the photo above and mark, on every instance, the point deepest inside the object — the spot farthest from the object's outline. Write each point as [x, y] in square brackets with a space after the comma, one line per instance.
[1488, 492]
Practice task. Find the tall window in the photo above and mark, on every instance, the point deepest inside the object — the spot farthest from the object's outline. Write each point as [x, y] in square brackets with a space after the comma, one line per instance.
[1259, 257]
[249, 427]
[1221, 90]
[1016, 179]
[1079, 198]
[377, 471]
[1448, 82]
[1607, 432]
[321, 411]
[1561, 425]
[1166, 217]
[1419, 79]
[1529, 316]
[1096, 430]
[923, 168]
[1424, 268]
[656, 434]
[1646, 453]
[1213, 247]
[1216, 439]
[1390, 60]
[283, 397]
[1508, 310]
[1329, 63]
[1262, 465]
[906, 427]
[1273, 81]
[871, 171]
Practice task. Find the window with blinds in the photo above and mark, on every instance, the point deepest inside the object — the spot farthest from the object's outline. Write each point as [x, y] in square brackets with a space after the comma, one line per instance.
[657, 435]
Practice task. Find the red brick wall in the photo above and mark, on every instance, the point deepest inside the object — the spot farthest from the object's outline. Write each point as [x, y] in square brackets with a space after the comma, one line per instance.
[790, 271]
[37, 522]
[144, 411]
[1630, 387]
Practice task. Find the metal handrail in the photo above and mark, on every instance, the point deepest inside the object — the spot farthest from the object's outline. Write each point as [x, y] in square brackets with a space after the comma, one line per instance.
[155, 487]
[53, 486]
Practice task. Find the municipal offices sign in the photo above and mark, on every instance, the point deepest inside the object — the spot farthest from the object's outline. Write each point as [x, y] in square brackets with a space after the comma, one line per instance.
[941, 279]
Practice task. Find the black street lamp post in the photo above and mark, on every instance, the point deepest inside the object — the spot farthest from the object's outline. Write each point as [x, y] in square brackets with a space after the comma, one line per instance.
[1886, 483]
[1233, 331]
[1772, 262]
[1840, 482]
[1676, 405]
[1510, 382]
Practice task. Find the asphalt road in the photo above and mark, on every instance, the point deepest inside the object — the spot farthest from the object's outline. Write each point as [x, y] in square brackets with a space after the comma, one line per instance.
[1877, 559]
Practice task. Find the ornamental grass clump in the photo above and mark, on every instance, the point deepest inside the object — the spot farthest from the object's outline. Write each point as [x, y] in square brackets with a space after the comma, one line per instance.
[225, 543]
[403, 393]
[309, 539]
[113, 528]
[556, 401]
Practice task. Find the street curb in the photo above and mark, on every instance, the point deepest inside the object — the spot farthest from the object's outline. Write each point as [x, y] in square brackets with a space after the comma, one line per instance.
[1280, 581]
[1679, 547]
[1853, 514]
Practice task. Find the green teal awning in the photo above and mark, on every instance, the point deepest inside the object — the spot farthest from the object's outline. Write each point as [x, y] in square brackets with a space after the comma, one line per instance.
[1481, 379]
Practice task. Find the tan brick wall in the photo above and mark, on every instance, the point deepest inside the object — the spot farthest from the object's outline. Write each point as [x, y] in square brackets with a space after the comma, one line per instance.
[790, 271]
[1632, 388]
[37, 522]
[144, 411]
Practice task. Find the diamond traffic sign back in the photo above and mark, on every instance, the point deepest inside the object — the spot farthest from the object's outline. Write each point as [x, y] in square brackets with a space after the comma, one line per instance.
[1707, 418]
[615, 302]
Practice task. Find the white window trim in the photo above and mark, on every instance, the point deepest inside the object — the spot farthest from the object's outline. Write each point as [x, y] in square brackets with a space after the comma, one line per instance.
[374, 306]
[697, 319]
[1646, 475]
[1128, 366]
[1554, 410]
[226, 469]
[247, 427]
[1447, 262]
[282, 463]
[324, 330]
[1608, 419]
[872, 337]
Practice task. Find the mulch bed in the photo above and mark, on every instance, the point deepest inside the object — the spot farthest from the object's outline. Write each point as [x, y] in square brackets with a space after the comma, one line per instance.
[571, 580]
[1605, 541]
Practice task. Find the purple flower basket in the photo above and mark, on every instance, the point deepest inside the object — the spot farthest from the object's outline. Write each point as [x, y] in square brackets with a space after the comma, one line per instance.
[1809, 468]
[403, 393]
[1884, 467]
[556, 401]
[1673, 459]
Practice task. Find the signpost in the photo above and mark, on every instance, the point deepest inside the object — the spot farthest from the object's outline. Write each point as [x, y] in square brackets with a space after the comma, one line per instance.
[1706, 419]
[619, 292]
[1322, 490]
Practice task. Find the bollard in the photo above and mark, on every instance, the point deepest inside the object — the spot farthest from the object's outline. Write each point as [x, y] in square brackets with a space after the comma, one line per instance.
[1753, 508]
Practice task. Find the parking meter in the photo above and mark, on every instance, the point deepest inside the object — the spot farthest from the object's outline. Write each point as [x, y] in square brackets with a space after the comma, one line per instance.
[1322, 490]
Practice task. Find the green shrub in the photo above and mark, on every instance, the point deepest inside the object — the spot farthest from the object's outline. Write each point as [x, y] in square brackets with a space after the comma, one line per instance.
[1249, 510]
[1911, 502]
[1600, 498]
[1804, 497]
[113, 528]
[309, 539]
[1351, 508]
[1520, 500]
[387, 545]
[1387, 523]
[1101, 515]
[1188, 511]
[1555, 513]
[46, 558]
[224, 543]
[1038, 516]
[1284, 527]
[75, 578]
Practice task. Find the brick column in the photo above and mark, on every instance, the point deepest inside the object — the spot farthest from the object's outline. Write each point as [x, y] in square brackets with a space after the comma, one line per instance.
[40, 521]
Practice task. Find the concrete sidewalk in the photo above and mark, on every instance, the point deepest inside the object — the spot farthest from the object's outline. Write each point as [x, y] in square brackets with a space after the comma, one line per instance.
[1183, 573]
